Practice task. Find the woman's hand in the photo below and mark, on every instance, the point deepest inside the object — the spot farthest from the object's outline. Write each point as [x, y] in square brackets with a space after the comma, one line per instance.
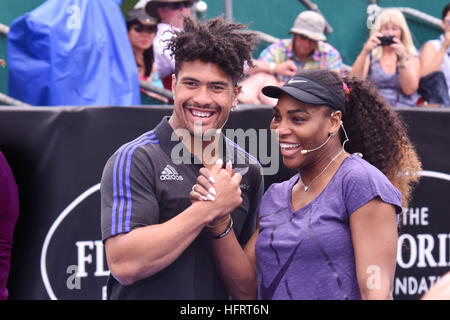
[221, 187]
[204, 189]
[372, 42]
[399, 49]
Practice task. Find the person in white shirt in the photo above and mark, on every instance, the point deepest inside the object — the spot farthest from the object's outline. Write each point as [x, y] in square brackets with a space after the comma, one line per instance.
[435, 54]
[170, 14]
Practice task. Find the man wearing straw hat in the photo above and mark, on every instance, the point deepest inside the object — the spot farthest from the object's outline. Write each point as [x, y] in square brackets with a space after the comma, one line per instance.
[306, 49]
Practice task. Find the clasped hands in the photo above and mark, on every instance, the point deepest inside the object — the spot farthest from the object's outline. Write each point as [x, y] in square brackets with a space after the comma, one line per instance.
[221, 188]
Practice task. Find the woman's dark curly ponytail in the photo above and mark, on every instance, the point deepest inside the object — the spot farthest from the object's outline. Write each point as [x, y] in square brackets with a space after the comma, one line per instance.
[375, 130]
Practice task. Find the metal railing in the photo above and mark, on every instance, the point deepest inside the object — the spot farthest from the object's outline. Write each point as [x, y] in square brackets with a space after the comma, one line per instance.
[228, 4]
[265, 37]
[160, 91]
[373, 9]
[314, 7]
[4, 29]
[8, 101]
[423, 17]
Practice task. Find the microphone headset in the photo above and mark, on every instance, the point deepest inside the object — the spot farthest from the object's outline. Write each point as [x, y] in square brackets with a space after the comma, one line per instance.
[305, 151]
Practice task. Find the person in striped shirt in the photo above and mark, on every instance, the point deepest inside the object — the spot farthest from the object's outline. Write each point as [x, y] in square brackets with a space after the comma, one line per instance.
[159, 245]
[307, 49]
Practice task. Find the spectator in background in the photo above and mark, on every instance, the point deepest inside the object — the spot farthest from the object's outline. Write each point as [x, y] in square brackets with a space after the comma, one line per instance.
[392, 64]
[9, 212]
[306, 49]
[141, 32]
[170, 15]
[2, 63]
[435, 54]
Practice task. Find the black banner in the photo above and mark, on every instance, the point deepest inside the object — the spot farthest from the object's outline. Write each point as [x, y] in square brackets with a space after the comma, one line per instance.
[424, 241]
[57, 156]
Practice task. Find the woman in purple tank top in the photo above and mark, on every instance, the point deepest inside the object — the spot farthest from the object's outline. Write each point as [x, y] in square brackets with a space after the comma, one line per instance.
[390, 60]
[329, 232]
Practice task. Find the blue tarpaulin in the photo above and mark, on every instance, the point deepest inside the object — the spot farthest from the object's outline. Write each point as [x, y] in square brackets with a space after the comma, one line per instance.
[72, 52]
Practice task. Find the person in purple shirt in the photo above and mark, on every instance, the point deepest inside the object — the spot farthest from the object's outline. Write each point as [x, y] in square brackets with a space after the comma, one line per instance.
[329, 232]
[9, 212]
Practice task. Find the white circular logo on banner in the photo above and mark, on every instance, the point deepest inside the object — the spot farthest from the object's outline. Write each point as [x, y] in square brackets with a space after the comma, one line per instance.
[434, 174]
[423, 243]
[70, 208]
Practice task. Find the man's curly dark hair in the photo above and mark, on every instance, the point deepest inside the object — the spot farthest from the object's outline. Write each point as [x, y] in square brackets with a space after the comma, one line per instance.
[217, 41]
[375, 130]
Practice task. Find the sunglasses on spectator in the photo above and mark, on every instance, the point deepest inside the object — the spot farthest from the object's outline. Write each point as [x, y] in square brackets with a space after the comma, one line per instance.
[177, 5]
[140, 28]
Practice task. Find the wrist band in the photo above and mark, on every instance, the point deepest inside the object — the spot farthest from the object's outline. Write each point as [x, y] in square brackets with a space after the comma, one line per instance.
[272, 67]
[227, 231]
[404, 65]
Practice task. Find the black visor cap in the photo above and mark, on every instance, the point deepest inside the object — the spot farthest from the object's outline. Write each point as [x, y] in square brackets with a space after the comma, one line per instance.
[307, 90]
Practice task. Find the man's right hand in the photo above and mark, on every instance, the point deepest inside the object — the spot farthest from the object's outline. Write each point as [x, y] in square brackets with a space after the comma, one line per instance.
[372, 42]
[221, 187]
[287, 68]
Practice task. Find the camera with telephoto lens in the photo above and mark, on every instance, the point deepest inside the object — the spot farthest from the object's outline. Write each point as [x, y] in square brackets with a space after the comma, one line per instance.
[386, 40]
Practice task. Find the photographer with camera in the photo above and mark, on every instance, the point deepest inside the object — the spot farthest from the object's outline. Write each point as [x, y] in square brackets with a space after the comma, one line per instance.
[390, 60]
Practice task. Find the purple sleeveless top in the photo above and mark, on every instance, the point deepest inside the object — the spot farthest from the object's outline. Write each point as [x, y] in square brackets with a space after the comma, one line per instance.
[308, 254]
[389, 86]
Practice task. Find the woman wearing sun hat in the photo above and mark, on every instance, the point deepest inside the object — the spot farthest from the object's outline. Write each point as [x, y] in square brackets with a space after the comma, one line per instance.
[306, 49]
